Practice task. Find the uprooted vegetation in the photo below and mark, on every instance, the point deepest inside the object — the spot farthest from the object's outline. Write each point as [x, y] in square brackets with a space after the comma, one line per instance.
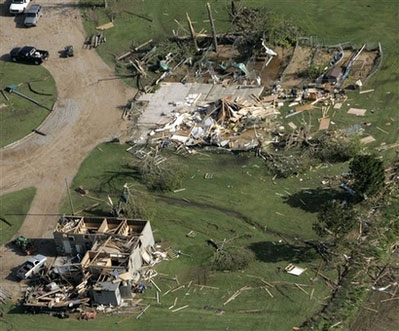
[236, 56]
[231, 258]
[156, 171]
[364, 256]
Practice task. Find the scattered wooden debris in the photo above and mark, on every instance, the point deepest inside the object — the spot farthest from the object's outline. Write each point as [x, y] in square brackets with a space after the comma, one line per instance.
[236, 294]
[144, 310]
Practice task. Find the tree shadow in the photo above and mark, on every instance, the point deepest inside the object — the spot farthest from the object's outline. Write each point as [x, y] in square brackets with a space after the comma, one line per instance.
[111, 180]
[313, 200]
[267, 251]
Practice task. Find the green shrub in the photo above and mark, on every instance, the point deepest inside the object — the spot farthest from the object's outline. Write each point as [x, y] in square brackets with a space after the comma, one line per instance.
[232, 258]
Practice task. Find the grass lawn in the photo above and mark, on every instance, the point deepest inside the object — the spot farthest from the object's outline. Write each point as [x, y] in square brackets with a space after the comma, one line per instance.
[239, 184]
[13, 206]
[19, 116]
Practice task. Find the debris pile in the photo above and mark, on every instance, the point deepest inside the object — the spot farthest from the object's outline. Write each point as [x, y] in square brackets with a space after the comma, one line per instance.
[117, 254]
[94, 40]
[229, 122]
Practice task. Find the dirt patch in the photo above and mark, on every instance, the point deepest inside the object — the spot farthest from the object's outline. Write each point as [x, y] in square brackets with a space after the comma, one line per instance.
[85, 115]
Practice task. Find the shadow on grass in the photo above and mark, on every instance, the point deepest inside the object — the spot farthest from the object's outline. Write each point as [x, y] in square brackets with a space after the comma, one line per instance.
[313, 200]
[267, 251]
[112, 181]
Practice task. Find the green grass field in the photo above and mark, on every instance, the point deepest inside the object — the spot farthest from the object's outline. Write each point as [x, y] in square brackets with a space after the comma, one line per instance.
[13, 207]
[218, 208]
[19, 116]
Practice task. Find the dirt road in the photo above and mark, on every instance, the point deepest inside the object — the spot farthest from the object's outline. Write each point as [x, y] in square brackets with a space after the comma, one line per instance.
[85, 114]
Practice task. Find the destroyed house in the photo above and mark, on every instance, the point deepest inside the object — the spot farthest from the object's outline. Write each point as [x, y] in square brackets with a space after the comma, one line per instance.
[78, 234]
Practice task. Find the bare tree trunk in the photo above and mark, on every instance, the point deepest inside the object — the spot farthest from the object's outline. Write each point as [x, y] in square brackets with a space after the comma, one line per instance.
[215, 42]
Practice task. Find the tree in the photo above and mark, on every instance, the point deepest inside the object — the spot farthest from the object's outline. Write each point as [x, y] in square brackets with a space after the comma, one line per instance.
[336, 219]
[157, 172]
[231, 258]
[368, 173]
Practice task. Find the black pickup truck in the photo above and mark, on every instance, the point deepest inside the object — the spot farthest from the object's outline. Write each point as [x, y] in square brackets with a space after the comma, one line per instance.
[28, 54]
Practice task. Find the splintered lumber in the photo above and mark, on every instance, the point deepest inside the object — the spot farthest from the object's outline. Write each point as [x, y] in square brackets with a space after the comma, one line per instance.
[206, 286]
[180, 308]
[390, 299]
[268, 292]
[366, 91]
[142, 45]
[382, 130]
[311, 294]
[292, 125]
[301, 288]
[215, 42]
[177, 288]
[371, 309]
[236, 294]
[192, 32]
[144, 310]
[123, 56]
[357, 111]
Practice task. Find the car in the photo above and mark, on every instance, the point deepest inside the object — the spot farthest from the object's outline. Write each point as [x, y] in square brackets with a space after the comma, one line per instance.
[28, 54]
[33, 15]
[32, 266]
[18, 6]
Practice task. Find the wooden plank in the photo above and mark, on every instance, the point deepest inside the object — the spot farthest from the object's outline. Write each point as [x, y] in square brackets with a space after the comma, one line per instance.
[105, 26]
[357, 111]
[367, 140]
[180, 308]
[324, 123]
[304, 107]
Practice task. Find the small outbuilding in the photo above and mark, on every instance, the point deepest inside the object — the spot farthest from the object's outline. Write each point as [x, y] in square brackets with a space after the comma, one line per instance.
[106, 293]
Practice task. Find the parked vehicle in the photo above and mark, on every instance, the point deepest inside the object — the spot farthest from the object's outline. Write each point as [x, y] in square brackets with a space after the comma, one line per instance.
[25, 245]
[67, 51]
[28, 54]
[18, 6]
[33, 15]
[32, 266]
